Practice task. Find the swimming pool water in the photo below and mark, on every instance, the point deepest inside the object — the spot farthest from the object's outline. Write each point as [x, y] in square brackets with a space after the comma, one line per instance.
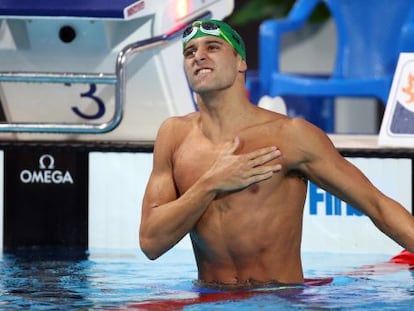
[120, 280]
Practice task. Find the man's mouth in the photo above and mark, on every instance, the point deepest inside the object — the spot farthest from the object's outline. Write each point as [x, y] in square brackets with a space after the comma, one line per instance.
[203, 71]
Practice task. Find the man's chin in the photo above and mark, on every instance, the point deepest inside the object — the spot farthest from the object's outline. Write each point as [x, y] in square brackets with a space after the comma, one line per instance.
[200, 89]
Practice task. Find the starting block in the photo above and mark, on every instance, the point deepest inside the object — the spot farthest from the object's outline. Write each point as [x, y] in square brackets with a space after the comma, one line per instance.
[76, 68]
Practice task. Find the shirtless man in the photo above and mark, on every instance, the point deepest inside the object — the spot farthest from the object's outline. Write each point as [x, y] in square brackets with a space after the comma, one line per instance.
[234, 175]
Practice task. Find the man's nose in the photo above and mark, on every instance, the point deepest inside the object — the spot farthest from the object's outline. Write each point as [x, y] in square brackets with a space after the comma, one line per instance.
[200, 55]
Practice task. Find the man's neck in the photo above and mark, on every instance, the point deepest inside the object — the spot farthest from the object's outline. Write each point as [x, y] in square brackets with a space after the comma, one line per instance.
[222, 117]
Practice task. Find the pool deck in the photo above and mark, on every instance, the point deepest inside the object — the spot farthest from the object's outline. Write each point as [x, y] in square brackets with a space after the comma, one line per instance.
[347, 144]
[367, 146]
[355, 141]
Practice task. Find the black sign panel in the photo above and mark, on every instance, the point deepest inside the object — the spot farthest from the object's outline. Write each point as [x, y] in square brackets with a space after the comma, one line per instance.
[45, 198]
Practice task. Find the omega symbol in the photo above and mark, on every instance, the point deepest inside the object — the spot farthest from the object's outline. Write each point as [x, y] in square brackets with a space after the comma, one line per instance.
[44, 159]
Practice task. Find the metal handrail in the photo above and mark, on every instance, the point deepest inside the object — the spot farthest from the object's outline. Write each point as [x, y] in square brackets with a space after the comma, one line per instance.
[118, 79]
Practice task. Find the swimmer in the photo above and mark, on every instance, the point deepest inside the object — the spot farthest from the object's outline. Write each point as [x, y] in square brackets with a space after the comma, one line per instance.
[234, 175]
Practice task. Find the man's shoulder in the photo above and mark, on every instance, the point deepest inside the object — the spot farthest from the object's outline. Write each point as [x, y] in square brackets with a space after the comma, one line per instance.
[300, 134]
[175, 128]
[295, 124]
[177, 122]
[291, 131]
[182, 119]
[279, 122]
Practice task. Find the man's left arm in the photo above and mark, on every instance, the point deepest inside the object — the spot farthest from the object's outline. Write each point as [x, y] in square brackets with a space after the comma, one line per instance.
[322, 164]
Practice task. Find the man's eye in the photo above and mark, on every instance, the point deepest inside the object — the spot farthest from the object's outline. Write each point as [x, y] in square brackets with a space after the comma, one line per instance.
[189, 53]
[213, 47]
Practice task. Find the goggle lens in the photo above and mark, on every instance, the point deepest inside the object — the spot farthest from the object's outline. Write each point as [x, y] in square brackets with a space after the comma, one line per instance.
[205, 27]
[209, 26]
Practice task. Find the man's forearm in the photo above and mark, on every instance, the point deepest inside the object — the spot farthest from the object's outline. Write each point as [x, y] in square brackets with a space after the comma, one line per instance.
[397, 223]
[168, 223]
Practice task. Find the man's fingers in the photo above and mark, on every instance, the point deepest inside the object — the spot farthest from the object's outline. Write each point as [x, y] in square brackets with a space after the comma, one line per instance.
[263, 170]
[262, 174]
[263, 151]
[263, 158]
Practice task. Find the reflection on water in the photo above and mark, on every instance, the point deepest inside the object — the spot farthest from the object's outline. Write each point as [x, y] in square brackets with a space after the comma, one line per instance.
[69, 280]
[45, 278]
[50, 279]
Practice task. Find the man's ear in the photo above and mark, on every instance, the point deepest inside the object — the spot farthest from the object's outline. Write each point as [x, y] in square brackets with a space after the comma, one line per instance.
[242, 65]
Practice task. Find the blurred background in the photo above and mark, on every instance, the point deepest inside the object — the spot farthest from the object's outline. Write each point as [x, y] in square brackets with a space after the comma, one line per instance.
[311, 49]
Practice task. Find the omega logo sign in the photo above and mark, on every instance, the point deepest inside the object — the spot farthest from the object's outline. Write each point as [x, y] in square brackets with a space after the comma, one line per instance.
[47, 174]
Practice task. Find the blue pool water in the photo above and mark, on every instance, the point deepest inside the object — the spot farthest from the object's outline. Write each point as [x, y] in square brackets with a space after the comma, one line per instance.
[112, 280]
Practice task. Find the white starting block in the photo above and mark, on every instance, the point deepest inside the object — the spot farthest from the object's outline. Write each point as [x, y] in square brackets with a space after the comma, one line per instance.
[74, 69]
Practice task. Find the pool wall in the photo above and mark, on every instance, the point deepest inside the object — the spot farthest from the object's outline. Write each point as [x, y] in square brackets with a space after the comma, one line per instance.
[89, 197]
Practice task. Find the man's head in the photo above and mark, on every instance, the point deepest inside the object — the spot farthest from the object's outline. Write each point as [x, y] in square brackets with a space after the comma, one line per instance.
[216, 28]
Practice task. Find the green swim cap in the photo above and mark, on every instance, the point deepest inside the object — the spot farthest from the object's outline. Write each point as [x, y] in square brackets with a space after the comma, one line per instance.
[216, 28]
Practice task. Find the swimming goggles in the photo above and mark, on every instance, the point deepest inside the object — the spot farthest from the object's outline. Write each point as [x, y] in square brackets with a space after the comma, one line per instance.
[205, 27]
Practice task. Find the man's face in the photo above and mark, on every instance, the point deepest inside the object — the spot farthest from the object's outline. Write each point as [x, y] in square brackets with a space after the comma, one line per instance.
[210, 64]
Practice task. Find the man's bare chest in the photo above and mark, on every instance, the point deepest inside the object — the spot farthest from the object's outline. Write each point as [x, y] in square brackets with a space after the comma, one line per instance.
[191, 161]
[196, 155]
